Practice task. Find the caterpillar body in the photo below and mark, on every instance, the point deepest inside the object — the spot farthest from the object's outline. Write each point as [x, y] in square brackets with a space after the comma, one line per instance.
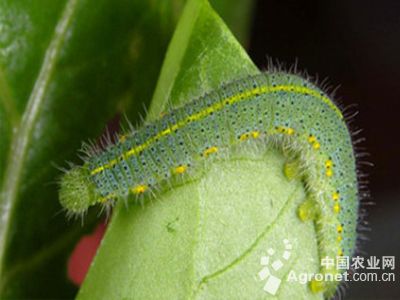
[272, 106]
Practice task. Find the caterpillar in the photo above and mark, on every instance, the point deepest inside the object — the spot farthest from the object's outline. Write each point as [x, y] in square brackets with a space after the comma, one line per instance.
[279, 108]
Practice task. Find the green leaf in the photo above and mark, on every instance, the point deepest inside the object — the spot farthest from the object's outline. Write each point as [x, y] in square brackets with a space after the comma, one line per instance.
[66, 68]
[202, 53]
[204, 239]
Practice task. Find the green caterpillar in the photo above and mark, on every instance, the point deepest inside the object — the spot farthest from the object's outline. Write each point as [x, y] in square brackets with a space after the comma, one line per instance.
[274, 107]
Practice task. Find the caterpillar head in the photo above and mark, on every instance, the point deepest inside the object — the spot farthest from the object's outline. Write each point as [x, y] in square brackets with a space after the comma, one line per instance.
[77, 193]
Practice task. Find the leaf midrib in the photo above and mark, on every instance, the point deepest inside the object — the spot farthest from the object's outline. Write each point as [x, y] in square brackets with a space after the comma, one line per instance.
[21, 140]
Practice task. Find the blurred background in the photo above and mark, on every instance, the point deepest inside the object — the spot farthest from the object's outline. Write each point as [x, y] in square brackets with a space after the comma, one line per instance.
[356, 45]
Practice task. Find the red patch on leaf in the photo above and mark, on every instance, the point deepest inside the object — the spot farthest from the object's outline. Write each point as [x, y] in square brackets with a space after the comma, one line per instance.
[83, 254]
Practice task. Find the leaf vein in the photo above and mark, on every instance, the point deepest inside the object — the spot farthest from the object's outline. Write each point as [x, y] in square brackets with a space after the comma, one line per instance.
[247, 252]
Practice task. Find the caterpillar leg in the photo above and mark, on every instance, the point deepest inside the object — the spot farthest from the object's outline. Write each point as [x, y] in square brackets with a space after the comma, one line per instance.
[308, 210]
[291, 169]
[329, 276]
